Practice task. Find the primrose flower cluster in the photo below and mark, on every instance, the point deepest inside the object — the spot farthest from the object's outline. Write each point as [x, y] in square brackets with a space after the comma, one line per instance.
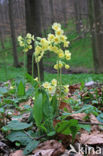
[54, 43]
[26, 42]
[51, 87]
[57, 43]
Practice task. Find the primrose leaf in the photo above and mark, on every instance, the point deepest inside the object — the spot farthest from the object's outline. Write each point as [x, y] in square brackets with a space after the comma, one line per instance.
[16, 125]
[37, 109]
[19, 136]
[31, 146]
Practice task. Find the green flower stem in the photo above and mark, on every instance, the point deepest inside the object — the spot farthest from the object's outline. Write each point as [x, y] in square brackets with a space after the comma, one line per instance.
[33, 66]
[60, 84]
[24, 63]
[38, 71]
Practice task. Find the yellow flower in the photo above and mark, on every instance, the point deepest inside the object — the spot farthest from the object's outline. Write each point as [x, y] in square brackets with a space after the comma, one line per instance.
[21, 43]
[36, 79]
[20, 38]
[61, 55]
[54, 82]
[59, 32]
[37, 59]
[66, 88]
[56, 66]
[38, 49]
[63, 38]
[51, 37]
[56, 26]
[29, 41]
[30, 46]
[66, 44]
[67, 55]
[44, 44]
[57, 40]
[46, 85]
[32, 37]
[25, 50]
[51, 89]
[67, 66]
[29, 35]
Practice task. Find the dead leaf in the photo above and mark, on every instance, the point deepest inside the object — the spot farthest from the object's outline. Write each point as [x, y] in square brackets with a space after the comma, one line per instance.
[65, 105]
[91, 139]
[72, 88]
[93, 119]
[79, 116]
[50, 148]
[17, 153]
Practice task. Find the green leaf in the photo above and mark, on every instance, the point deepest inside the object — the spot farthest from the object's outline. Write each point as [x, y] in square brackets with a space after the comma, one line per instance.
[21, 89]
[37, 109]
[86, 127]
[68, 127]
[54, 104]
[16, 125]
[2, 110]
[51, 133]
[3, 90]
[31, 146]
[46, 105]
[100, 117]
[20, 137]
[63, 127]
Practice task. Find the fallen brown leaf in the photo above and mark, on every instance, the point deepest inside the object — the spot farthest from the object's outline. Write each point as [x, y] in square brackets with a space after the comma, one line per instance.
[17, 153]
[78, 116]
[91, 139]
[65, 105]
[50, 148]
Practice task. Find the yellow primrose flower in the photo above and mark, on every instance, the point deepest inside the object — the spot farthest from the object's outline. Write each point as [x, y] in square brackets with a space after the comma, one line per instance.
[21, 43]
[25, 50]
[61, 55]
[28, 35]
[30, 46]
[56, 66]
[54, 82]
[56, 26]
[51, 37]
[46, 85]
[37, 59]
[32, 37]
[51, 89]
[66, 88]
[60, 65]
[67, 66]
[63, 38]
[38, 49]
[44, 44]
[67, 55]
[20, 38]
[36, 79]
[66, 44]
[59, 32]
[29, 41]
[57, 40]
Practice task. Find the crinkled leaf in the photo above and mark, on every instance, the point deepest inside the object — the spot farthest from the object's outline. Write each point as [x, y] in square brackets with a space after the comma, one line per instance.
[31, 146]
[17, 125]
[86, 127]
[19, 136]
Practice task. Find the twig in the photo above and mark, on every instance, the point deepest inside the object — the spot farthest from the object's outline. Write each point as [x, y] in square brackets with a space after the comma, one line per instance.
[89, 123]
